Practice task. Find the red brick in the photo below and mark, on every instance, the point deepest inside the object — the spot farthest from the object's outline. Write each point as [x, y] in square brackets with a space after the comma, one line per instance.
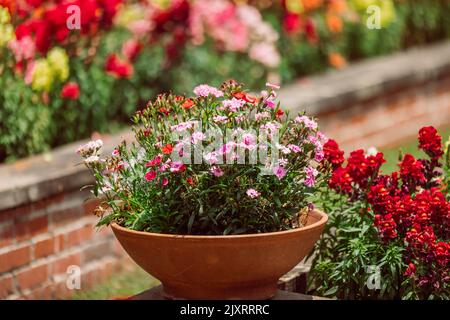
[11, 214]
[14, 258]
[78, 236]
[60, 242]
[6, 286]
[66, 216]
[60, 265]
[6, 235]
[45, 203]
[26, 229]
[32, 276]
[44, 248]
[44, 292]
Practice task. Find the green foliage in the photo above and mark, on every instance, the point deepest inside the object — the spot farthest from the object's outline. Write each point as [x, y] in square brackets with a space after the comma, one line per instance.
[348, 247]
[25, 121]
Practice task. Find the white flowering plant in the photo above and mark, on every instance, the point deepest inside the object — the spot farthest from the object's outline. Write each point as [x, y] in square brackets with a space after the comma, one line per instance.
[221, 162]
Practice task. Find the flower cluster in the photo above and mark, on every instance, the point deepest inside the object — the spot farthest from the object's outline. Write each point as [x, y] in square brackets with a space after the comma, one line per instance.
[208, 165]
[409, 206]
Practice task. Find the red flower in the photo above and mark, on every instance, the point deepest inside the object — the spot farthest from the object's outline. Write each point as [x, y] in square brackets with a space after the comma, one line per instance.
[386, 226]
[156, 161]
[239, 95]
[310, 31]
[167, 149]
[131, 49]
[430, 142]
[333, 154]
[164, 110]
[411, 172]
[410, 270]
[190, 181]
[70, 91]
[117, 67]
[187, 104]
[279, 113]
[341, 180]
[250, 99]
[291, 23]
[150, 176]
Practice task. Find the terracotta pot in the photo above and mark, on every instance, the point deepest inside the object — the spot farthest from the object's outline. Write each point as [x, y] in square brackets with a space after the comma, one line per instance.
[221, 267]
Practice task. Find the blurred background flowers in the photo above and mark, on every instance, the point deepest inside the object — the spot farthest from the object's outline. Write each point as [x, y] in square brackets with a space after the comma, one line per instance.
[58, 85]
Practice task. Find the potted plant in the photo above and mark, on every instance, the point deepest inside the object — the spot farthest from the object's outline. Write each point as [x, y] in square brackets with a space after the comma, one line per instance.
[214, 196]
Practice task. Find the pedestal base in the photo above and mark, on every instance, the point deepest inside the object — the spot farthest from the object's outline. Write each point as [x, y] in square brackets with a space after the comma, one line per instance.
[157, 293]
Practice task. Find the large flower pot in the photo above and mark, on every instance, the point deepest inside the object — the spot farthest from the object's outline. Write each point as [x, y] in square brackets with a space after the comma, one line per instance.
[221, 267]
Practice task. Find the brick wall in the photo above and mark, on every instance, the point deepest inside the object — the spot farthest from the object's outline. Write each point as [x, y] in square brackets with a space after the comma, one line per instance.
[389, 119]
[39, 241]
[46, 225]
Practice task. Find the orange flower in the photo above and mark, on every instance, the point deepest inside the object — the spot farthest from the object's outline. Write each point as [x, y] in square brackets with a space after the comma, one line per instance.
[9, 4]
[167, 149]
[337, 6]
[337, 60]
[187, 104]
[334, 22]
[311, 4]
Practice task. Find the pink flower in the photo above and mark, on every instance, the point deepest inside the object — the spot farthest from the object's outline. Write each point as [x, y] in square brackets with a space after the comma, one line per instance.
[211, 157]
[233, 105]
[216, 171]
[272, 85]
[252, 193]
[197, 136]
[177, 166]
[249, 141]
[311, 174]
[150, 176]
[220, 119]
[115, 153]
[262, 115]
[131, 49]
[23, 49]
[204, 90]
[309, 123]
[265, 53]
[294, 148]
[280, 172]
[165, 181]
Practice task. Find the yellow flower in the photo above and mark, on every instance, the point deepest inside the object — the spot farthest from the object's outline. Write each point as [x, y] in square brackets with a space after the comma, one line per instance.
[42, 79]
[129, 14]
[6, 29]
[5, 17]
[294, 6]
[387, 12]
[59, 63]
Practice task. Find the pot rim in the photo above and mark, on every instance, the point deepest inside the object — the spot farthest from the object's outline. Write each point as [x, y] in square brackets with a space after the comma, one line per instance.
[323, 220]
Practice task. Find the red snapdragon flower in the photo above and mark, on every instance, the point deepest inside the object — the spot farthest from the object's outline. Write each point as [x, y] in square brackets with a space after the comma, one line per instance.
[71, 91]
[430, 142]
[333, 154]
